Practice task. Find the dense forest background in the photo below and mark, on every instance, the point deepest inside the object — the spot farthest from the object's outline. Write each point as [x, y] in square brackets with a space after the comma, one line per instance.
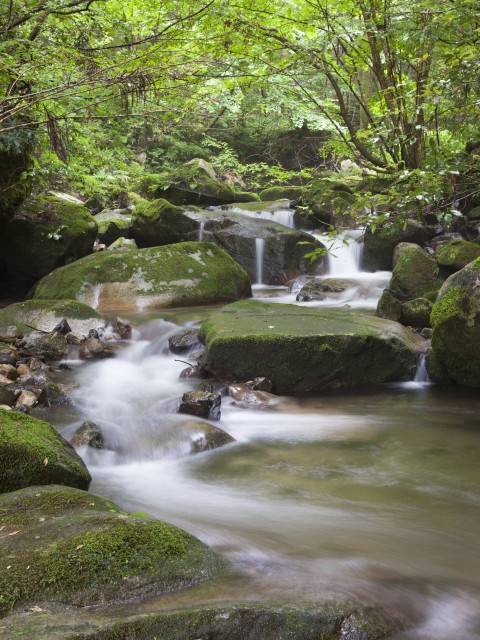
[98, 96]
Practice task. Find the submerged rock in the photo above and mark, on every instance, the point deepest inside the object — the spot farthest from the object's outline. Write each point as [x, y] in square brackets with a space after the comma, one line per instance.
[76, 548]
[302, 350]
[32, 452]
[203, 436]
[189, 273]
[184, 341]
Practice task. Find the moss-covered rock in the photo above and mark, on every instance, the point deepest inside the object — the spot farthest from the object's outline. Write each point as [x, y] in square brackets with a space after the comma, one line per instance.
[240, 621]
[246, 196]
[183, 274]
[328, 203]
[281, 193]
[33, 452]
[79, 549]
[379, 244]
[416, 313]
[44, 233]
[456, 326]
[113, 228]
[302, 350]
[44, 315]
[415, 275]
[389, 307]
[158, 223]
[457, 254]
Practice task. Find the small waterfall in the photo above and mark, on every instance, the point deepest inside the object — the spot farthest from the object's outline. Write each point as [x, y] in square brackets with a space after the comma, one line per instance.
[280, 215]
[259, 253]
[421, 375]
[345, 251]
[201, 231]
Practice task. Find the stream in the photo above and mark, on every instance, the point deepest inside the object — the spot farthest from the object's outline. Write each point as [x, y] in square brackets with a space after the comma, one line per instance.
[371, 495]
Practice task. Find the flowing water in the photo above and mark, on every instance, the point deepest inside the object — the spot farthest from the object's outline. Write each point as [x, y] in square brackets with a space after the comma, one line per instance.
[371, 495]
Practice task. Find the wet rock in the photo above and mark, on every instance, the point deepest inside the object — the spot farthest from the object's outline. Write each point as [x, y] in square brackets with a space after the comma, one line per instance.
[122, 328]
[416, 275]
[202, 404]
[457, 254]
[7, 396]
[63, 327]
[9, 371]
[389, 307]
[204, 437]
[122, 244]
[95, 349]
[426, 333]
[54, 395]
[379, 245]
[74, 338]
[416, 313]
[8, 357]
[260, 384]
[194, 372]
[184, 341]
[88, 434]
[10, 334]
[48, 346]
[26, 399]
[32, 452]
[36, 364]
[23, 369]
[250, 398]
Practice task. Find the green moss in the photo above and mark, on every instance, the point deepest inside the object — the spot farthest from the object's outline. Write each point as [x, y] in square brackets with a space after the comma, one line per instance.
[457, 254]
[77, 548]
[246, 196]
[451, 305]
[112, 229]
[175, 275]
[281, 193]
[415, 275]
[158, 223]
[305, 349]
[46, 314]
[33, 452]
[389, 307]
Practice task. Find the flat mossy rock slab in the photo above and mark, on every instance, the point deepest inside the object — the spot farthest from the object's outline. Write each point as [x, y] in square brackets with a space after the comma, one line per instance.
[242, 621]
[69, 546]
[44, 315]
[455, 322]
[46, 232]
[185, 274]
[32, 452]
[304, 350]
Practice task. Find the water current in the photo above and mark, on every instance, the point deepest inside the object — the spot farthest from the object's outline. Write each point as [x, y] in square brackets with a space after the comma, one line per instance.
[371, 495]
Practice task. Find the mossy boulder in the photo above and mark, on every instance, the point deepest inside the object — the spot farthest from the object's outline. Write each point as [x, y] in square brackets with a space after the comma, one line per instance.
[281, 193]
[76, 548]
[239, 621]
[303, 350]
[379, 244]
[185, 274]
[44, 315]
[415, 275]
[32, 452]
[44, 233]
[389, 307]
[112, 229]
[329, 203]
[416, 313]
[158, 223]
[455, 321]
[457, 254]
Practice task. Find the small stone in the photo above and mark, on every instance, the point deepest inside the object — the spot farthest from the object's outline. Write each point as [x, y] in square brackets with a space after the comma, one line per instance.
[202, 404]
[7, 396]
[55, 396]
[7, 357]
[184, 341]
[193, 372]
[10, 334]
[95, 349]
[262, 384]
[4, 379]
[73, 338]
[123, 328]
[63, 327]
[27, 399]
[36, 364]
[23, 369]
[5, 407]
[88, 434]
[48, 346]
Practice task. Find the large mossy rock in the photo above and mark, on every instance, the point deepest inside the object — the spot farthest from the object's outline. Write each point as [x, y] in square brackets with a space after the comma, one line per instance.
[281, 193]
[76, 548]
[380, 244]
[190, 273]
[415, 275]
[457, 254]
[456, 328]
[32, 452]
[329, 202]
[44, 233]
[240, 621]
[45, 315]
[158, 223]
[303, 350]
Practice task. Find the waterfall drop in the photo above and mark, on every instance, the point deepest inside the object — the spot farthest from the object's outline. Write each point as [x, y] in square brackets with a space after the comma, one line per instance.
[259, 258]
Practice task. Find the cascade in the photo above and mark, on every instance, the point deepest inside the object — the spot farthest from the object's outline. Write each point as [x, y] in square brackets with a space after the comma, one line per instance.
[259, 258]
[280, 215]
[201, 231]
[421, 374]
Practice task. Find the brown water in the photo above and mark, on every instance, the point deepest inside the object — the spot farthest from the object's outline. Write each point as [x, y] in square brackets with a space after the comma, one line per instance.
[372, 495]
